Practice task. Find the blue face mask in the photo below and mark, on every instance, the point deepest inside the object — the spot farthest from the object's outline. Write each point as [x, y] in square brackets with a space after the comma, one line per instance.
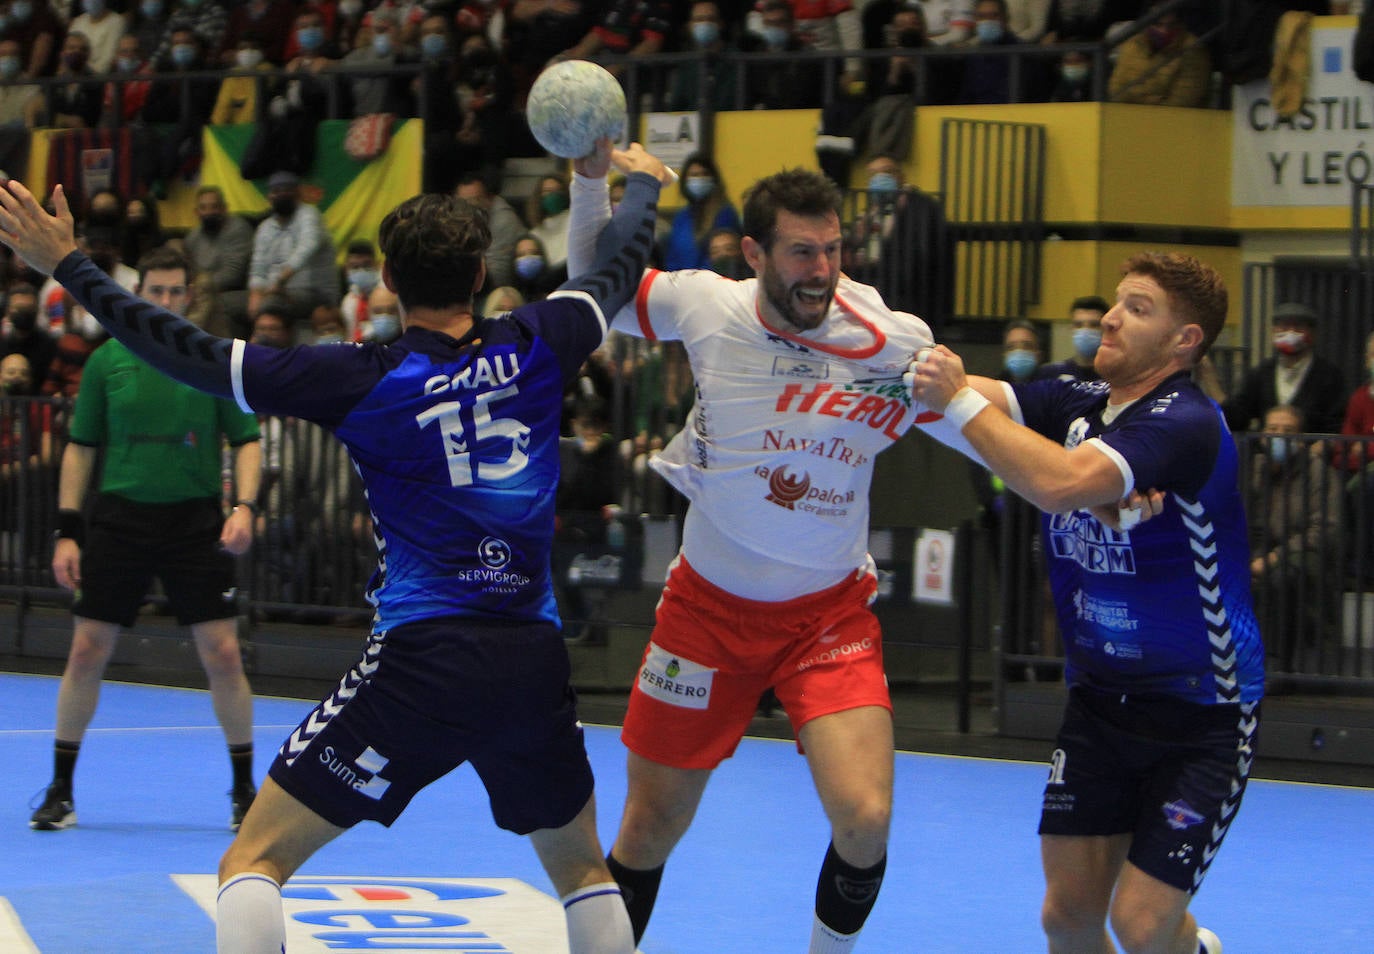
[883, 182]
[1278, 449]
[9, 66]
[381, 44]
[1086, 341]
[152, 9]
[364, 278]
[385, 328]
[21, 10]
[310, 38]
[698, 187]
[183, 55]
[775, 37]
[529, 266]
[1019, 363]
[433, 45]
[705, 33]
[989, 31]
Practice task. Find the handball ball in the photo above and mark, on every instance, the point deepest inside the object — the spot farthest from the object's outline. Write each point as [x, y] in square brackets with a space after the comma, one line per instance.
[573, 104]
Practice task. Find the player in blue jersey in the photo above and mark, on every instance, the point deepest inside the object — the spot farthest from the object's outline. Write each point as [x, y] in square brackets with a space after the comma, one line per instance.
[454, 429]
[1163, 655]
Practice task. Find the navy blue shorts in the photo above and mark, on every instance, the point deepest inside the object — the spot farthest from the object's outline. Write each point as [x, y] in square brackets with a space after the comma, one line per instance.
[128, 543]
[1167, 772]
[427, 697]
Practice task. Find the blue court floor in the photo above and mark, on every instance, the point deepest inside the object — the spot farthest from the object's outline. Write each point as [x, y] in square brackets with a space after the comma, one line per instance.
[137, 875]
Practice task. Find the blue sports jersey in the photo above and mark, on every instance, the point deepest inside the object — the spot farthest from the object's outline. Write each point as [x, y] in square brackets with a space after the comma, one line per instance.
[457, 444]
[1164, 607]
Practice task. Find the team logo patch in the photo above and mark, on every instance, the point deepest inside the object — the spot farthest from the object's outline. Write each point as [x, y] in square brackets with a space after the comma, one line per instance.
[786, 489]
[1180, 815]
[674, 680]
[491, 915]
[493, 552]
[789, 367]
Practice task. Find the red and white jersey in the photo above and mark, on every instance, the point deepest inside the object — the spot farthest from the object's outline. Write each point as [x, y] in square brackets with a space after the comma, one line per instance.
[778, 449]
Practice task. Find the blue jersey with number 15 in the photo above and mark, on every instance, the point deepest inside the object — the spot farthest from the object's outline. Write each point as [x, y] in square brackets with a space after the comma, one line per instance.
[457, 443]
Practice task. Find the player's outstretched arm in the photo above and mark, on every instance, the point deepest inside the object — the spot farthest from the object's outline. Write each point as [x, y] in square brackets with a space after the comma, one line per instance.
[167, 341]
[626, 241]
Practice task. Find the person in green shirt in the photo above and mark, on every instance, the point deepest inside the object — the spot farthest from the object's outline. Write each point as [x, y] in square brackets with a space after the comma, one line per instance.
[157, 512]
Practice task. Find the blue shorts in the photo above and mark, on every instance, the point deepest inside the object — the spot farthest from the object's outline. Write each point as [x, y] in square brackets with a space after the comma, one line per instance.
[1168, 772]
[427, 697]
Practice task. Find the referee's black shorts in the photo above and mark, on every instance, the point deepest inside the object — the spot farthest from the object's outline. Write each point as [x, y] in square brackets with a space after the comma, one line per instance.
[129, 543]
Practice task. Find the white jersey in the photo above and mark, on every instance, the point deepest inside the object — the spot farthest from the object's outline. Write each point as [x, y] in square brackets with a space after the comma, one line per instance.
[778, 449]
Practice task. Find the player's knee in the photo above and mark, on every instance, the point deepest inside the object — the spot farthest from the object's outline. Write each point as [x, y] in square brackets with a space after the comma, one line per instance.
[865, 819]
[1140, 930]
[89, 653]
[1064, 918]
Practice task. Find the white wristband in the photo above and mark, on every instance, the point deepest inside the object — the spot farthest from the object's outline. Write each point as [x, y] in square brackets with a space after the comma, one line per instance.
[964, 407]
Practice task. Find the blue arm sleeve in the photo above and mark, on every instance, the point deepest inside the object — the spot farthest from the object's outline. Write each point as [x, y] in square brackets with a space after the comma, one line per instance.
[166, 341]
[622, 249]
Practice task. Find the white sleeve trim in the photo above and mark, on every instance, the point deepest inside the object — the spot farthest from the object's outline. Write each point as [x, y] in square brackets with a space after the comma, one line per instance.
[236, 374]
[1013, 405]
[1127, 475]
[584, 296]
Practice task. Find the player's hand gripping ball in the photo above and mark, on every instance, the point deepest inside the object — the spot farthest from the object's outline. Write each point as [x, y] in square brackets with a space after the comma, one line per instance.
[573, 104]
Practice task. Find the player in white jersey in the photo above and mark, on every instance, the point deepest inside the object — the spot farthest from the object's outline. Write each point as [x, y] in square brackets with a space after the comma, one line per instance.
[798, 387]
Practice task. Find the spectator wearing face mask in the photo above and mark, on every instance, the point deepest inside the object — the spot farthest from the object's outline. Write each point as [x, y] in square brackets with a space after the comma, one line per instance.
[1074, 79]
[706, 33]
[988, 77]
[76, 103]
[708, 207]
[237, 101]
[35, 27]
[269, 21]
[534, 278]
[1021, 354]
[124, 99]
[185, 105]
[383, 323]
[377, 44]
[293, 254]
[220, 248]
[786, 82]
[1085, 314]
[1164, 65]
[207, 19]
[1294, 374]
[20, 333]
[362, 277]
[19, 107]
[103, 28]
[546, 211]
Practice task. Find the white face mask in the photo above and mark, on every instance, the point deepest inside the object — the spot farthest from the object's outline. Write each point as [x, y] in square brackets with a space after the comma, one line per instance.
[247, 59]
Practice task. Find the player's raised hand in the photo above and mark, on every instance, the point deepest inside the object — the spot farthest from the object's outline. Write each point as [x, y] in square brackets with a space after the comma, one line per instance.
[40, 239]
[636, 158]
[596, 165]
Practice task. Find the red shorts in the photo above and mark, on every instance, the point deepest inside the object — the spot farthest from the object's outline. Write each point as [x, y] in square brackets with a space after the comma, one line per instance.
[712, 654]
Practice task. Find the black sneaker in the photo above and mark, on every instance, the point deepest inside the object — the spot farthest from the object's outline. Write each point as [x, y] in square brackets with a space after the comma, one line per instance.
[58, 810]
[240, 800]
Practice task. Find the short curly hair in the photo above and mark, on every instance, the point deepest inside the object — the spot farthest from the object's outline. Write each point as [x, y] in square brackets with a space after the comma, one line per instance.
[1195, 289]
[433, 246]
[799, 191]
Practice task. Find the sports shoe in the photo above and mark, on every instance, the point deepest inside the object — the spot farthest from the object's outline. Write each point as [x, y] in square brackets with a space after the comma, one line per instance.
[58, 810]
[1207, 942]
[240, 800]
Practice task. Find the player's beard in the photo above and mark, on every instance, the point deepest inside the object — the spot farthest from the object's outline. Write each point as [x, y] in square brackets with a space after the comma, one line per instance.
[784, 301]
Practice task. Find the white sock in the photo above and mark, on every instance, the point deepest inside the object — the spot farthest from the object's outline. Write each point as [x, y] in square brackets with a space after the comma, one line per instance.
[826, 941]
[597, 921]
[248, 916]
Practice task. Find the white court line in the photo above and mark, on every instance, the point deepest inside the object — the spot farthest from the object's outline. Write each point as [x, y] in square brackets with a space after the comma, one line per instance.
[13, 938]
[148, 728]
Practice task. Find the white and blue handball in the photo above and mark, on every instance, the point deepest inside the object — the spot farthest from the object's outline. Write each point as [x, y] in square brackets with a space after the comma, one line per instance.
[573, 104]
